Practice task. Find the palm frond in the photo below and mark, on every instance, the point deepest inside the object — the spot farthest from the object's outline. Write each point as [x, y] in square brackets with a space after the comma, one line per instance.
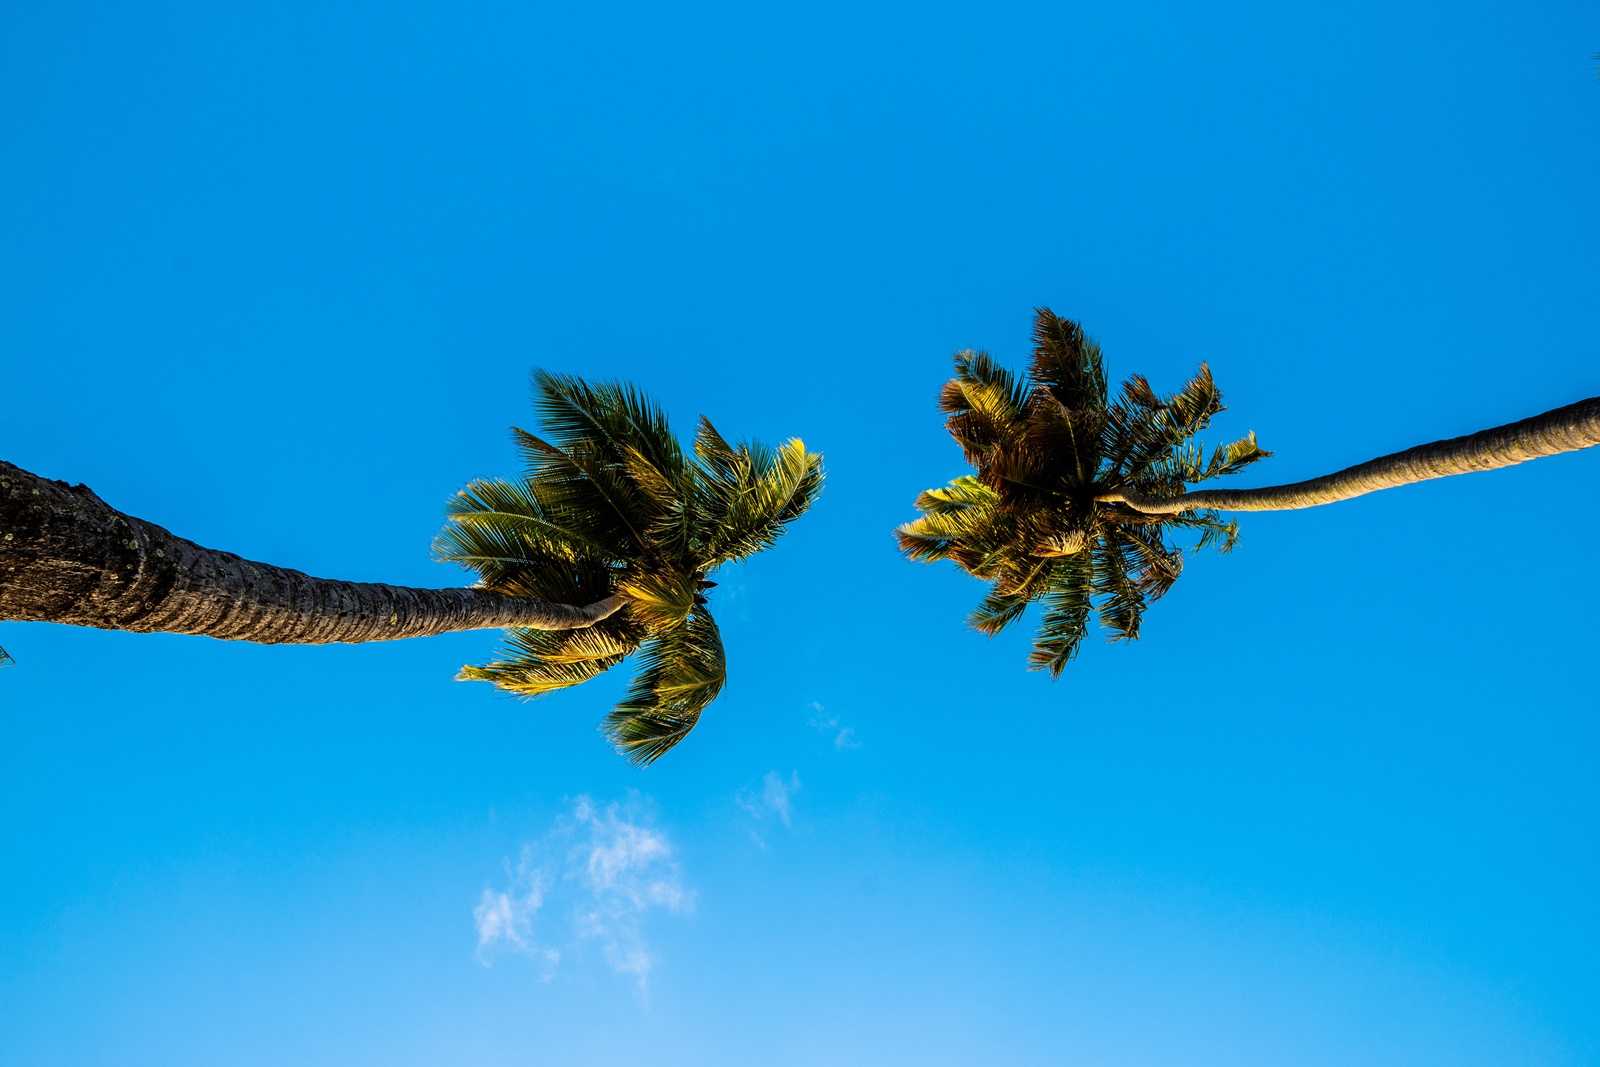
[1117, 599]
[1234, 457]
[612, 415]
[1154, 564]
[1214, 530]
[1193, 406]
[670, 496]
[536, 662]
[714, 451]
[1066, 363]
[681, 671]
[774, 489]
[659, 600]
[1066, 617]
[997, 610]
[512, 505]
[963, 494]
[986, 407]
[579, 479]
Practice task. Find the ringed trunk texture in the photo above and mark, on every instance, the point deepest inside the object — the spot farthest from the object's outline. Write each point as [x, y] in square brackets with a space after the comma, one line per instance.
[1565, 429]
[67, 556]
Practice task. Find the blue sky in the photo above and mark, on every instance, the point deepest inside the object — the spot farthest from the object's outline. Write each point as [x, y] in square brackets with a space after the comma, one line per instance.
[273, 276]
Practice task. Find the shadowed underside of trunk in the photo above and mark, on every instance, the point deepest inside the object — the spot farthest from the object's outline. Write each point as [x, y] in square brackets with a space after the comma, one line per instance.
[1565, 429]
[66, 556]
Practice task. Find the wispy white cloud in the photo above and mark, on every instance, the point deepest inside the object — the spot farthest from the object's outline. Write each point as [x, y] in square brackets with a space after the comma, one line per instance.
[828, 724]
[772, 800]
[595, 876]
[505, 918]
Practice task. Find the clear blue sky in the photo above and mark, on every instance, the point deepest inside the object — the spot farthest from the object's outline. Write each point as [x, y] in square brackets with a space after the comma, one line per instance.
[274, 275]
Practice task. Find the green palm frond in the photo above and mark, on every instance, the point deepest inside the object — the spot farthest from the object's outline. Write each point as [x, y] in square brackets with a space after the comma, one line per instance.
[1066, 617]
[1118, 601]
[997, 611]
[501, 504]
[714, 452]
[980, 371]
[670, 496]
[1067, 365]
[1224, 534]
[1046, 452]
[681, 671]
[580, 480]
[614, 416]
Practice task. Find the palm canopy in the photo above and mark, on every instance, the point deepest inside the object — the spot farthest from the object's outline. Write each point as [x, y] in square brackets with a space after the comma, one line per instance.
[1032, 520]
[611, 503]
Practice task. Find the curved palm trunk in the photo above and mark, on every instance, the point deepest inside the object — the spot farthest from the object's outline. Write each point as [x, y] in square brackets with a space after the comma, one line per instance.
[67, 556]
[1562, 430]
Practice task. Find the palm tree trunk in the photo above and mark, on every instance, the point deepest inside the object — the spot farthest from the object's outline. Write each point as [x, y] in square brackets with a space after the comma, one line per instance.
[1562, 430]
[66, 556]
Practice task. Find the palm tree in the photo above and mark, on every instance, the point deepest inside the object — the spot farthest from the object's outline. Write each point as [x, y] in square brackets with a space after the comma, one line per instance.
[610, 501]
[67, 556]
[1033, 521]
[1076, 493]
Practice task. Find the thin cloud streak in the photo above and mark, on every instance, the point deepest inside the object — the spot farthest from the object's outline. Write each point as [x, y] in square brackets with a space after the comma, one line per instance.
[844, 737]
[772, 800]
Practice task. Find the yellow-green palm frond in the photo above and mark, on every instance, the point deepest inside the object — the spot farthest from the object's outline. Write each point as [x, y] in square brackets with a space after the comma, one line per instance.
[967, 534]
[962, 494]
[749, 493]
[986, 406]
[536, 662]
[681, 671]
[1232, 458]
[660, 600]
[1215, 531]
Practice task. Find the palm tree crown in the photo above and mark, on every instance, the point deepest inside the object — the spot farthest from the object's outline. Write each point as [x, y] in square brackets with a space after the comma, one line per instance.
[611, 503]
[1032, 519]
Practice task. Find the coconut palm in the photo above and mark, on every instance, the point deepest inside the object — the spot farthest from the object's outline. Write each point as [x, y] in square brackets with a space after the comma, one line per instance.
[1033, 520]
[1076, 494]
[611, 502]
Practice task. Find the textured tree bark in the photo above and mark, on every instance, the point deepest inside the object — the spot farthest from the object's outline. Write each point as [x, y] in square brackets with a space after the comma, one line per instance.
[1562, 430]
[67, 556]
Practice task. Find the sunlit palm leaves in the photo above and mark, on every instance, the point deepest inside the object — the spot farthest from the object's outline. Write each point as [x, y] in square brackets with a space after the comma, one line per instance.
[610, 502]
[1045, 450]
